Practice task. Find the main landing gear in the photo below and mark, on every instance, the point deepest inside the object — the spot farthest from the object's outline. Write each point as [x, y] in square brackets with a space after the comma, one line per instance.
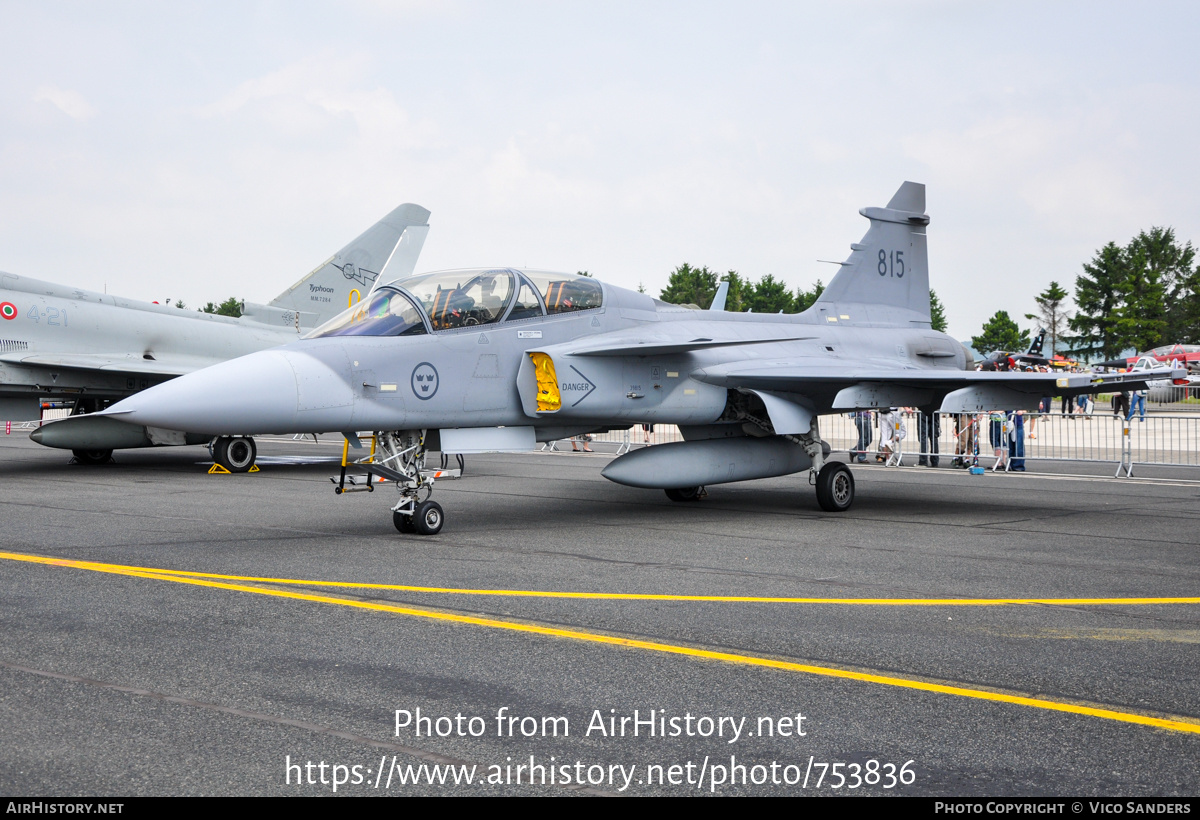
[834, 484]
[399, 457]
[835, 487]
[682, 494]
[833, 480]
[235, 453]
[89, 457]
[92, 457]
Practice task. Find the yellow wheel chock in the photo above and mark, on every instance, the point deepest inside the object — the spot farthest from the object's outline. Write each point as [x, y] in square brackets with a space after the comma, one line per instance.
[217, 469]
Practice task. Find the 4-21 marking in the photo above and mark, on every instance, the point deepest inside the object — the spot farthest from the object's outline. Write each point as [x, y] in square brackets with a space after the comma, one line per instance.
[52, 315]
[891, 264]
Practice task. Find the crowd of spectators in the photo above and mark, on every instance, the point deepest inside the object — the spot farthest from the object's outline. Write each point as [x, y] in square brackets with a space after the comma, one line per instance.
[1004, 430]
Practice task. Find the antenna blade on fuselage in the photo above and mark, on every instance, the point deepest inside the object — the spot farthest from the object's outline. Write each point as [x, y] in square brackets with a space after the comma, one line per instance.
[718, 302]
[403, 260]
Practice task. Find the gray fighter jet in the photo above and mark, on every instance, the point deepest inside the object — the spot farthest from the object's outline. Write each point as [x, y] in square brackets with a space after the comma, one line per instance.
[488, 360]
[87, 349]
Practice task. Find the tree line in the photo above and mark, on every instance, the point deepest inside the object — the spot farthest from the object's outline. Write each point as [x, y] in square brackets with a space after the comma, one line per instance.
[230, 307]
[1139, 296]
[1143, 295]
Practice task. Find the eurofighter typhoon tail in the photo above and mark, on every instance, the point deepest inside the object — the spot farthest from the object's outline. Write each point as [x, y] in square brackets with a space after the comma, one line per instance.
[496, 359]
[90, 348]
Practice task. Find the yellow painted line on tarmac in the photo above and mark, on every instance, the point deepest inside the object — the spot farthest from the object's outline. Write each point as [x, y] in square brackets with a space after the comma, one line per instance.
[1175, 724]
[610, 596]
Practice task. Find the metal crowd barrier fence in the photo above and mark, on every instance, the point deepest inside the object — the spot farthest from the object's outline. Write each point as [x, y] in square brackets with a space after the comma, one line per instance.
[1174, 395]
[1098, 435]
[1159, 438]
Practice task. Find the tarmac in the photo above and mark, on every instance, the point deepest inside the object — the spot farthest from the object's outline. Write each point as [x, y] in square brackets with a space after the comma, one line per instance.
[167, 631]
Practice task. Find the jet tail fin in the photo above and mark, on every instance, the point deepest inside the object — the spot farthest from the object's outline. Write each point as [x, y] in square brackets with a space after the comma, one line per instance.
[1035, 347]
[393, 242]
[885, 280]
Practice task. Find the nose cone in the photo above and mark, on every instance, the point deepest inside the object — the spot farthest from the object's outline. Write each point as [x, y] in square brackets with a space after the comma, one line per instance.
[253, 394]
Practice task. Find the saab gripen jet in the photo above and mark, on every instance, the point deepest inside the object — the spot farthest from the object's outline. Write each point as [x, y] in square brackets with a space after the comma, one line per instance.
[494, 360]
[86, 348]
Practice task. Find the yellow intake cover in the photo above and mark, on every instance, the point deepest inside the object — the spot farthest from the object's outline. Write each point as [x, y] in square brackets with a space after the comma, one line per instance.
[548, 397]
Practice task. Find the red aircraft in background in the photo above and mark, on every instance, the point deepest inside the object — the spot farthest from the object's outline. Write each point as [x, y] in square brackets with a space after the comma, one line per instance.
[1187, 355]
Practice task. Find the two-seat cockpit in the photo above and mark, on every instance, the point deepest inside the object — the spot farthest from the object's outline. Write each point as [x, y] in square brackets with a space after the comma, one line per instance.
[449, 300]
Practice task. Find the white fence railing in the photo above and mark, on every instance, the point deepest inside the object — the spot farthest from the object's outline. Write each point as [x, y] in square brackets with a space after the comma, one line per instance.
[1166, 438]
[1175, 395]
[1155, 438]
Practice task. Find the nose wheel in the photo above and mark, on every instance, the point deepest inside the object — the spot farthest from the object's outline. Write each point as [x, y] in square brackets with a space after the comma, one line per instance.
[426, 519]
[403, 522]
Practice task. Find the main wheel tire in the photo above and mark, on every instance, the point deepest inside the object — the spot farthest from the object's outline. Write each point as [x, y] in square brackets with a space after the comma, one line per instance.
[92, 456]
[235, 454]
[835, 487]
[428, 518]
[684, 494]
[404, 523]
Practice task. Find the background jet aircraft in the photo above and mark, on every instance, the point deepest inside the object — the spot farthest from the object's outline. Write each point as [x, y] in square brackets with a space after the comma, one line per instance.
[1011, 360]
[1188, 355]
[90, 348]
[496, 359]
[1164, 390]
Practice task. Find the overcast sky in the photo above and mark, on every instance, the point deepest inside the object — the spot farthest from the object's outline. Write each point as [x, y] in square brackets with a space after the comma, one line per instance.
[199, 151]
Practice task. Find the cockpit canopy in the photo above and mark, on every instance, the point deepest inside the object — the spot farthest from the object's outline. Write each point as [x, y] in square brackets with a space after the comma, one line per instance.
[461, 298]
[387, 312]
[448, 300]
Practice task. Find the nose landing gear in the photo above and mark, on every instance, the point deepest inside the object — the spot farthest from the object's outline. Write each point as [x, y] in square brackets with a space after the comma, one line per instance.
[399, 457]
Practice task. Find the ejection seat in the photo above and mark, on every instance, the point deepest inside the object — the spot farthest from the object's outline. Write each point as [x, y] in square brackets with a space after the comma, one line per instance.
[451, 308]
